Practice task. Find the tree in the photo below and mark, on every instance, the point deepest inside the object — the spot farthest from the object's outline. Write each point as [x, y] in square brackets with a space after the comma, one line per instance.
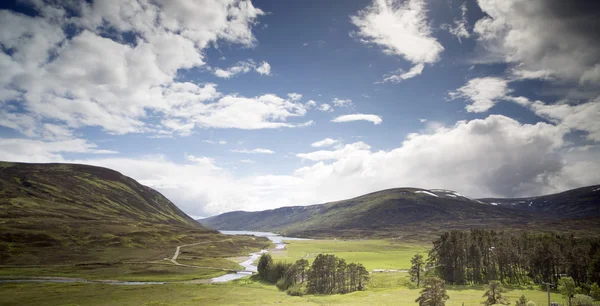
[302, 265]
[522, 301]
[416, 268]
[566, 286]
[595, 292]
[494, 294]
[264, 264]
[433, 293]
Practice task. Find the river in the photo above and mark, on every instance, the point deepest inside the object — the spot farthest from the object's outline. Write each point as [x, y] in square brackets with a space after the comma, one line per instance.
[248, 264]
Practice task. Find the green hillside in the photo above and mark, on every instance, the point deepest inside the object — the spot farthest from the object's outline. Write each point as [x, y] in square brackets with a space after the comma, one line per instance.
[393, 212]
[64, 213]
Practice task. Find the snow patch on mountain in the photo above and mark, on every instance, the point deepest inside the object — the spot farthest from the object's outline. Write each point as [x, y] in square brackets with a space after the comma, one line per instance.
[427, 192]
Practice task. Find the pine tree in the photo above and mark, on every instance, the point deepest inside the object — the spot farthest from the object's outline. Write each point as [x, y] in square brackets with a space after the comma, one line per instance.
[264, 264]
[522, 301]
[494, 294]
[302, 265]
[433, 293]
[416, 268]
[595, 292]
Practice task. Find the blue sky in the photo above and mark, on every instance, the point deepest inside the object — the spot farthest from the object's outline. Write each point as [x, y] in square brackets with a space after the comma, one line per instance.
[229, 105]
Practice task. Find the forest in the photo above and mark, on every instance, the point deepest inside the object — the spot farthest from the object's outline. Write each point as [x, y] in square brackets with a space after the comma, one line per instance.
[328, 274]
[480, 256]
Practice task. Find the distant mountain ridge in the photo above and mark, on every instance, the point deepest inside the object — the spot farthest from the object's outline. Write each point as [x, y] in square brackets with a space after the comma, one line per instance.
[409, 210]
[576, 203]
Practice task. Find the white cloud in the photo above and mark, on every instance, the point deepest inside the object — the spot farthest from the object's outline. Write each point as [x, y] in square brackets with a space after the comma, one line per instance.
[357, 117]
[254, 151]
[460, 25]
[483, 93]
[29, 150]
[239, 68]
[294, 96]
[547, 36]
[497, 156]
[247, 161]
[324, 143]
[243, 67]
[342, 102]
[325, 107]
[67, 81]
[581, 117]
[221, 142]
[401, 29]
[264, 69]
[399, 75]
[422, 120]
[310, 104]
[203, 161]
[357, 148]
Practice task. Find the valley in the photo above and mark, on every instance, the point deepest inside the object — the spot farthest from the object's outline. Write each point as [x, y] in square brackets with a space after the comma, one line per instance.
[74, 234]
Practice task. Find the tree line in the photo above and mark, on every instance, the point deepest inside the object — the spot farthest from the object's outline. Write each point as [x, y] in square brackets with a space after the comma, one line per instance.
[328, 274]
[480, 256]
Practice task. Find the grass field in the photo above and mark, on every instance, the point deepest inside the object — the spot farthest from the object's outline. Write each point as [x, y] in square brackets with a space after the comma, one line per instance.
[385, 288]
[373, 254]
[242, 292]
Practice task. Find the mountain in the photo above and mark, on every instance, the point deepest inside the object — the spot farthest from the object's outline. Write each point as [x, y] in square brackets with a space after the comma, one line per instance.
[57, 213]
[394, 212]
[575, 203]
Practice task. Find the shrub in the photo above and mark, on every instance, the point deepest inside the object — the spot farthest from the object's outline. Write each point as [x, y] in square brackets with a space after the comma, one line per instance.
[582, 300]
[530, 303]
[295, 290]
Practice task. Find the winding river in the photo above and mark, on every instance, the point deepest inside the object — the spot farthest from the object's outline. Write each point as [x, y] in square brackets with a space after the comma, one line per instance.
[248, 264]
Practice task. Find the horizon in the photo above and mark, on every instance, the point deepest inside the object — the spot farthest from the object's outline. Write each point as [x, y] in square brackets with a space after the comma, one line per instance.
[257, 105]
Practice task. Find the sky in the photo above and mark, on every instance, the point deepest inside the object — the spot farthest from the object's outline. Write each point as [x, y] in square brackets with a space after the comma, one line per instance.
[252, 105]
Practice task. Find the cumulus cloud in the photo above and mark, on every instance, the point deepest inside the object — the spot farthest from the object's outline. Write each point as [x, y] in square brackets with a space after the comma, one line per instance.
[357, 117]
[497, 156]
[325, 107]
[310, 104]
[324, 143]
[66, 80]
[401, 29]
[482, 92]
[576, 117]
[254, 151]
[264, 69]
[294, 96]
[543, 36]
[243, 67]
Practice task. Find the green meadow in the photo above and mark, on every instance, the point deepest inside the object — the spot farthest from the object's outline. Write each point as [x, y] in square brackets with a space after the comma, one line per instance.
[385, 288]
[373, 254]
[241, 292]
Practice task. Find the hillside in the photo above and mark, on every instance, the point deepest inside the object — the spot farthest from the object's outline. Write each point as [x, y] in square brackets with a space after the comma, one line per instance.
[65, 213]
[575, 203]
[393, 212]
